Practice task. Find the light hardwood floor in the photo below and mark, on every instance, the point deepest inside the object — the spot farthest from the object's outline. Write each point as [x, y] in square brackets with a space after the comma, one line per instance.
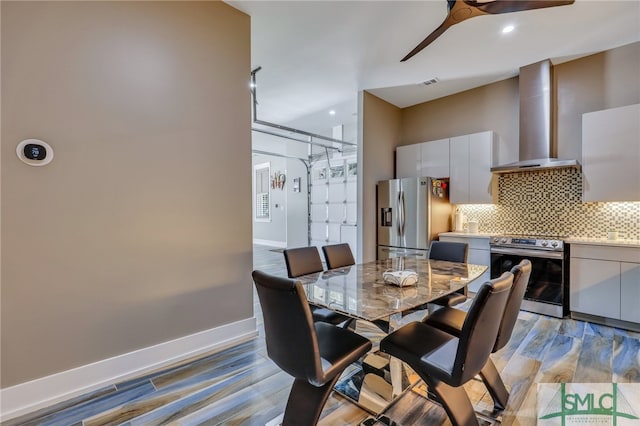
[241, 386]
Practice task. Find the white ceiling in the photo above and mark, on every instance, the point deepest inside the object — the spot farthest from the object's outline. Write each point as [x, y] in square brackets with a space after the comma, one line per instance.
[316, 55]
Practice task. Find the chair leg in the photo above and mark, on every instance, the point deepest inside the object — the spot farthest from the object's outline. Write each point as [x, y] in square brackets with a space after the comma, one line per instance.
[306, 402]
[495, 385]
[349, 323]
[455, 401]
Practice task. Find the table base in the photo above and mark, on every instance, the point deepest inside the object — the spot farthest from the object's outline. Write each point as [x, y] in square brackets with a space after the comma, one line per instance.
[367, 383]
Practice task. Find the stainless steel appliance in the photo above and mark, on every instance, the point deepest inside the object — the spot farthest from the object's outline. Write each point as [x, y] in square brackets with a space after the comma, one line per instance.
[537, 145]
[548, 289]
[411, 212]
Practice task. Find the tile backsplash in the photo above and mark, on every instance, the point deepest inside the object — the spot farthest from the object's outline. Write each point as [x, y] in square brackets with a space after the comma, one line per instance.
[549, 202]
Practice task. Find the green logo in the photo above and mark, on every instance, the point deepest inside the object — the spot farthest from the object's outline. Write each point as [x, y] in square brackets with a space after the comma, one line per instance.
[589, 407]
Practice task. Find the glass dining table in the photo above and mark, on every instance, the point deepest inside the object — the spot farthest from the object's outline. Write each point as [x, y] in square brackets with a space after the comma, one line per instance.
[360, 292]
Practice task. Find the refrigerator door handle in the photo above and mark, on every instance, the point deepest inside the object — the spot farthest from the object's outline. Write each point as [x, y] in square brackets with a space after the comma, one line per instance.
[399, 216]
[402, 216]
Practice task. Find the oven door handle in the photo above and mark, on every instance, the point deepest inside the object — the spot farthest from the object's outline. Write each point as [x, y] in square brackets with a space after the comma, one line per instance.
[532, 253]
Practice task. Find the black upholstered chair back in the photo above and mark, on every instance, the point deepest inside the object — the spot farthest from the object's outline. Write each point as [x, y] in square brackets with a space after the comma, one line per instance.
[480, 328]
[338, 255]
[448, 250]
[521, 273]
[302, 261]
[289, 330]
[452, 252]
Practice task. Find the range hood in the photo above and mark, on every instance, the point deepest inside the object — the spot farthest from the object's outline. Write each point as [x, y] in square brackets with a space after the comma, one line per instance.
[537, 145]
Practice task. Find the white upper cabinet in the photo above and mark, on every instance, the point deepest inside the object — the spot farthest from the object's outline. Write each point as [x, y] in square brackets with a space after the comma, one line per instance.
[434, 157]
[471, 158]
[423, 159]
[611, 154]
[459, 161]
[408, 161]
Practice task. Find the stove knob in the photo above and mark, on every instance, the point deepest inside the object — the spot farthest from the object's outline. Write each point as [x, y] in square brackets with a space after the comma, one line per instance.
[503, 241]
[554, 244]
[544, 243]
[496, 240]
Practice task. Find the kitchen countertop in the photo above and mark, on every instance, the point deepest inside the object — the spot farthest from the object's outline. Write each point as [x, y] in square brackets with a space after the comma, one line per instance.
[603, 242]
[465, 234]
[620, 242]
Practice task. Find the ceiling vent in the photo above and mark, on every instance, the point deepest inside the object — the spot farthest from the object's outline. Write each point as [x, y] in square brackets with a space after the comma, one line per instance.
[430, 82]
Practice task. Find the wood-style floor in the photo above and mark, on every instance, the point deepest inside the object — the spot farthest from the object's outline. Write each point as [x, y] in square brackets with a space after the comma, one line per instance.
[241, 386]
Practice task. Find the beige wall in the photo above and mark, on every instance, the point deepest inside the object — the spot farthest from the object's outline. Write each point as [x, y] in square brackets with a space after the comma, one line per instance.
[491, 107]
[139, 231]
[380, 136]
[606, 80]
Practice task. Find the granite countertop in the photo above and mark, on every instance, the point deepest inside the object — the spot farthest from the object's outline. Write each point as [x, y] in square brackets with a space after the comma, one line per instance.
[466, 234]
[621, 242]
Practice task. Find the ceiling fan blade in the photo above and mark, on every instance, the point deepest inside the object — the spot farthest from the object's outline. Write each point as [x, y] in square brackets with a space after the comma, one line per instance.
[458, 11]
[461, 10]
[508, 6]
[427, 41]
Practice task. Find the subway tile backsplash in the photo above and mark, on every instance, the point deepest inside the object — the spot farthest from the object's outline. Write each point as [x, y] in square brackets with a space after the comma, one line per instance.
[549, 202]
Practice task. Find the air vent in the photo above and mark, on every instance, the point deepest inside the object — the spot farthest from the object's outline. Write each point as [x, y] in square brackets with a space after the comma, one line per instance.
[430, 82]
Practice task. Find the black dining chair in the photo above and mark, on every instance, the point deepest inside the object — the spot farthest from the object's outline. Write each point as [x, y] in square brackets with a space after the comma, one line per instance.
[338, 255]
[314, 353]
[306, 260]
[302, 261]
[452, 252]
[451, 320]
[446, 362]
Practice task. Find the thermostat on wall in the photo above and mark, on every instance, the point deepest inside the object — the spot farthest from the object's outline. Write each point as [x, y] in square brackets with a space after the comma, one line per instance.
[34, 152]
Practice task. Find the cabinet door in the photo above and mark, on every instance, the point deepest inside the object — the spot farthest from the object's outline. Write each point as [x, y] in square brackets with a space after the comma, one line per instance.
[480, 162]
[459, 163]
[630, 292]
[595, 287]
[435, 158]
[408, 161]
[610, 154]
[480, 257]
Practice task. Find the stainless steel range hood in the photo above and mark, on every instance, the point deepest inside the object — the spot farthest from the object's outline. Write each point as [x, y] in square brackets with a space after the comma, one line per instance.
[537, 145]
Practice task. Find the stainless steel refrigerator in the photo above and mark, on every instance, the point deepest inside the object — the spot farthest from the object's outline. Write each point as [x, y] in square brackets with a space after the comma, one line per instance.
[411, 212]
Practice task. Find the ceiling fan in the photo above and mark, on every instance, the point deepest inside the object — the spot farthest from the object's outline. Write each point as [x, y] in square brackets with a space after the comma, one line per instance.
[461, 10]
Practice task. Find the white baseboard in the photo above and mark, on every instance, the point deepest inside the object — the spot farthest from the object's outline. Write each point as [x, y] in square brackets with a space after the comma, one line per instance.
[30, 396]
[279, 244]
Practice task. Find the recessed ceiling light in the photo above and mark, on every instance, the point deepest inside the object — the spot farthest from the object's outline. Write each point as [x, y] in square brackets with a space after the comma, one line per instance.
[332, 112]
[507, 29]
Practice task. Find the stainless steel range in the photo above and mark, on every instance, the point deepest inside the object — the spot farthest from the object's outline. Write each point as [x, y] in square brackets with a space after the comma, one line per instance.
[548, 289]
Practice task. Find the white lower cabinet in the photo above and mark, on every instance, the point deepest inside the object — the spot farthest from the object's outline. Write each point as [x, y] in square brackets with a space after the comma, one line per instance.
[595, 287]
[478, 255]
[605, 281]
[630, 292]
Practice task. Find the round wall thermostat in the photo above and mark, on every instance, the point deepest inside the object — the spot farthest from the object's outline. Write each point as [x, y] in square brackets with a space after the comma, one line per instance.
[34, 152]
